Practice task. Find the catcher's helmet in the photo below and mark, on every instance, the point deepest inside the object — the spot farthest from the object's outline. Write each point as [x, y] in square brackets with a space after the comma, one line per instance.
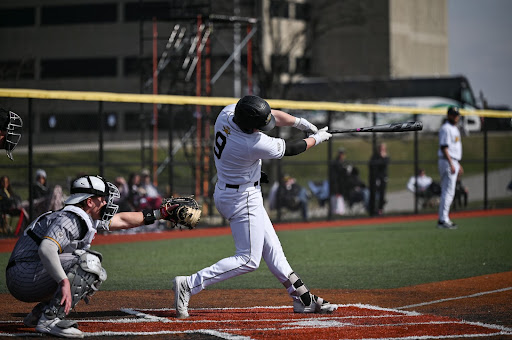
[11, 123]
[453, 111]
[252, 112]
[87, 186]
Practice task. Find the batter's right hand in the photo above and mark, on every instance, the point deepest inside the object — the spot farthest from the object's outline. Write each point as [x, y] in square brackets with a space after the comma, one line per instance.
[321, 136]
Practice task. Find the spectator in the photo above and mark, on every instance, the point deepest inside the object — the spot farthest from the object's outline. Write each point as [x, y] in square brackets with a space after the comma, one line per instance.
[151, 198]
[10, 203]
[124, 195]
[40, 188]
[427, 188]
[290, 195]
[340, 182]
[378, 179]
[342, 169]
[320, 190]
[358, 192]
[135, 194]
[461, 195]
[46, 198]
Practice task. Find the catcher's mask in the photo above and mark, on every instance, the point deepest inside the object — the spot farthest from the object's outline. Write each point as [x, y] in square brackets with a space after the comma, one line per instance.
[11, 123]
[252, 112]
[87, 186]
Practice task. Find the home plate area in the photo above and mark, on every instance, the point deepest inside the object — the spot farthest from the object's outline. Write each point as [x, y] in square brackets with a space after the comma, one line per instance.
[353, 321]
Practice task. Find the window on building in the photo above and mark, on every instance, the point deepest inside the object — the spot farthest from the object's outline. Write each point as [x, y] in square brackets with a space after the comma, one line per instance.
[279, 9]
[17, 69]
[280, 63]
[302, 11]
[302, 65]
[78, 14]
[147, 10]
[165, 10]
[182, 121]
[132, 66]
[69, 68]
[80, 122]
[17, 17]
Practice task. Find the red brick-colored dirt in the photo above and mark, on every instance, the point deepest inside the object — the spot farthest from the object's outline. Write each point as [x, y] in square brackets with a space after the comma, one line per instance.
[477, 307]
[443, 309]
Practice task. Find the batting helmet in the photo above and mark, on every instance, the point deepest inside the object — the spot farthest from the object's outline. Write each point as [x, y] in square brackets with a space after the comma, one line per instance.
[252, 112]
[453, 110]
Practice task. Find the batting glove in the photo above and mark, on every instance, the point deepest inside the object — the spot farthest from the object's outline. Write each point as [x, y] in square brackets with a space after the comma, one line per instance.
[304, 125]
[321, 136]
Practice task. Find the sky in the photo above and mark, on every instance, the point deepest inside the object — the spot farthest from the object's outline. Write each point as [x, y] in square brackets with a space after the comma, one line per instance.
[480, 47]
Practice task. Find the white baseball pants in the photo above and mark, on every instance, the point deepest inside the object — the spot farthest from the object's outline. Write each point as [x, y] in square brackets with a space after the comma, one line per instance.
[448, 181]
[254, 237]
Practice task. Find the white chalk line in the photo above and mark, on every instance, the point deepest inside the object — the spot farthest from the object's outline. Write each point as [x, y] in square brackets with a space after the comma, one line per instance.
[454, 298]
[329, 321]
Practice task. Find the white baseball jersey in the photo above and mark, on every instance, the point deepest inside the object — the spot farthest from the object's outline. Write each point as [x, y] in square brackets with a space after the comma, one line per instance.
[238, 155]
[449, 135]
[238, 158]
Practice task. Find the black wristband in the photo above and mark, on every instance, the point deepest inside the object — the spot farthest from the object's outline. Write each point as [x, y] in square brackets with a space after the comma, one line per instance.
[149, 216]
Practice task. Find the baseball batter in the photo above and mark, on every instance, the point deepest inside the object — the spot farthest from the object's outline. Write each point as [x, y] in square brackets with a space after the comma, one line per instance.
[10, 131]
[450, 154]
[239, 148]
[52, 262]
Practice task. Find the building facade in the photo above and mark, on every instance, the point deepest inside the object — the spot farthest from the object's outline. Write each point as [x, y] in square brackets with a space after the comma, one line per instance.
[95, 45]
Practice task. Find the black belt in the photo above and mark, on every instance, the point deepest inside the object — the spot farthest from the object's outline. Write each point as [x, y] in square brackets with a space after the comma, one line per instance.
[236, 186]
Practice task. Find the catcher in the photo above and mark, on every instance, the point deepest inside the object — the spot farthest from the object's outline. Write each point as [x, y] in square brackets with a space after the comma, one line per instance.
[52, 262]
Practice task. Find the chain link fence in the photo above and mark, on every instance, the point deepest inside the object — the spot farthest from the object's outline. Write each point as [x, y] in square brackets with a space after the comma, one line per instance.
[125, 140]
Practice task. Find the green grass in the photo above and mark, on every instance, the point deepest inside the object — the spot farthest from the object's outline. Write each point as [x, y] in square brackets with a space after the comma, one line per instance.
[361, 257]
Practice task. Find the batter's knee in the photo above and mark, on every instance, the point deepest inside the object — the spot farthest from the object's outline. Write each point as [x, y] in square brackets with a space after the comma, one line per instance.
[250, 263]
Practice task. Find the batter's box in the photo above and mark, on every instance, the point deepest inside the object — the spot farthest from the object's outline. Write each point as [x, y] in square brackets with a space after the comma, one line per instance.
[354, 321]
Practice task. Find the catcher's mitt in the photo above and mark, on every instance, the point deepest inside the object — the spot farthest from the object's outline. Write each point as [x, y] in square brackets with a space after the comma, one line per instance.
[187, 213]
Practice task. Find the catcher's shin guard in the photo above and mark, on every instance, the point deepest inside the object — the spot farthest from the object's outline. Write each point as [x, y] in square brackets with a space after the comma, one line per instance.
[297, 288]
[85, 278]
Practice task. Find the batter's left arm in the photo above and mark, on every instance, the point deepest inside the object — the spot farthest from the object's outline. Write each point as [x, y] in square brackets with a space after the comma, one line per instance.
[283, 118]
[286, 119]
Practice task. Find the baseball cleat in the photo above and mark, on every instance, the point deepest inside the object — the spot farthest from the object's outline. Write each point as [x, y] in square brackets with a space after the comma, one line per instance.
[58, 327]
[181, 296]
[33, 317]
[318, 305]
[446, 225]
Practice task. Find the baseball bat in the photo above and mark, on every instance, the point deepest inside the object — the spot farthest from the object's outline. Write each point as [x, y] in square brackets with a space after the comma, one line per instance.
[394, 127]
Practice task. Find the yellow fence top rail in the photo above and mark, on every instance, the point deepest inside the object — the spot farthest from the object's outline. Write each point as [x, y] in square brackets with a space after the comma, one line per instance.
[223, 101]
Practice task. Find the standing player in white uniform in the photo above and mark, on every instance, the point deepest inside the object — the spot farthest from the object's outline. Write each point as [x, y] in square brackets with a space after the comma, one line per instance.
[52, 263]
[239, 147]
[450, 154]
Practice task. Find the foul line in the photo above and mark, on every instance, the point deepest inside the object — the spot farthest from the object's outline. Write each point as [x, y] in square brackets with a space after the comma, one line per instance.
[455, 298]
